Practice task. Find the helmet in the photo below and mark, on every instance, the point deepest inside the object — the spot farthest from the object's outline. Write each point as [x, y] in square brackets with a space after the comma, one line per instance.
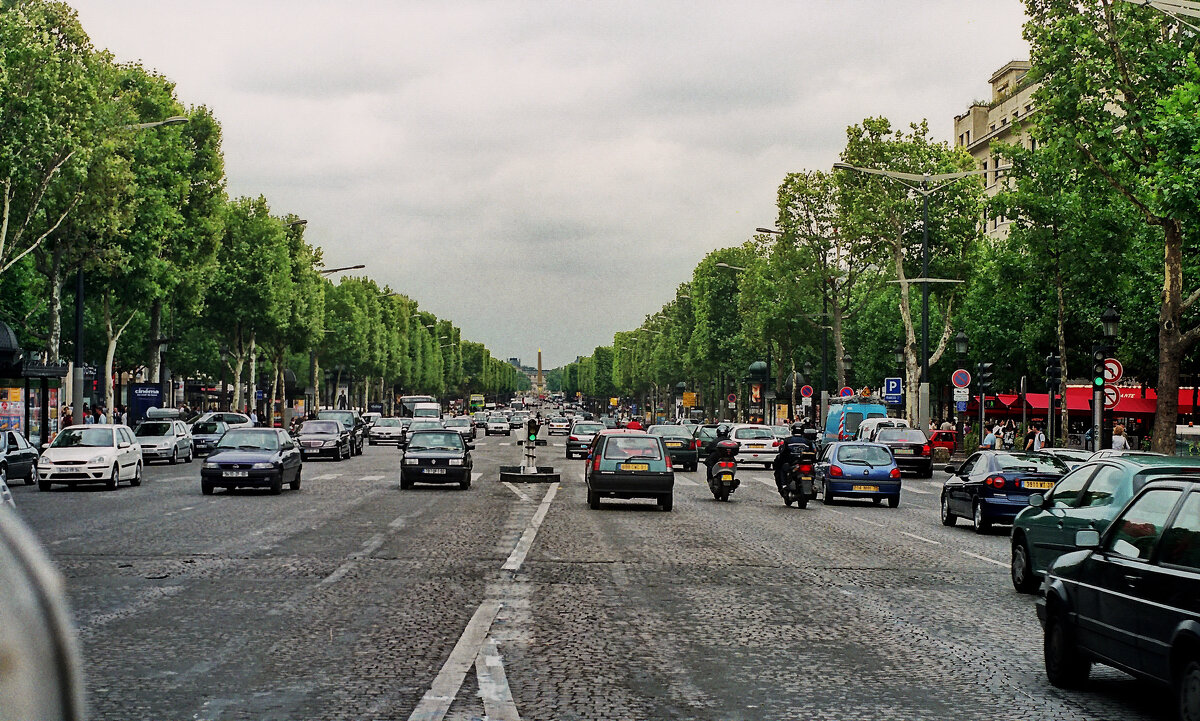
[797, 428]
[722, 431]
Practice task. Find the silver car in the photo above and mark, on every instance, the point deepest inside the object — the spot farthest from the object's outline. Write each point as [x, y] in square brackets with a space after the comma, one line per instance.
[165, 441]
[386, 430]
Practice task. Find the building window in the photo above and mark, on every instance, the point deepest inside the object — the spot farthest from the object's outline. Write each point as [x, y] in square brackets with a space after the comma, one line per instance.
[993, 126]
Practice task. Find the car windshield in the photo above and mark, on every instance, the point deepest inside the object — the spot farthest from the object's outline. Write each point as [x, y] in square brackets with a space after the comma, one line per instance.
[781, 431]
[1072, 455]
[250, 440]
[558, 420]
[1030, 463]
[753, 433]
[149, 430]
[900, 435]
[623, 447]
[587, 429]
[206, 428]
[497, 419]
[423, 425]
[426, 413]
[458, 423]
[388, 423]
[436, 442]
[84, 437]
[345, 417]
[672, 431]
[320, 427]
[864, 455]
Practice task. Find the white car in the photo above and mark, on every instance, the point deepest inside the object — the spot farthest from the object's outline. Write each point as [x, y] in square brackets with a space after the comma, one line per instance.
[757, 444]
[165, 441]
[497, 425]
[233, 420]
[561, 425]
[105, 454]
[385, 430]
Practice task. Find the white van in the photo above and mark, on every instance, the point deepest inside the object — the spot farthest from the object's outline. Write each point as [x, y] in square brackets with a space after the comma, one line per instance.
[427, 411]
[869, 427]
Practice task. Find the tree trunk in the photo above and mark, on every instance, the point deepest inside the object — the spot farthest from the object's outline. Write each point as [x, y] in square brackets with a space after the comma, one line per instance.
[839, 343]
[1065, 420]
[56, 283]
[274, 390]
[239, 363]
[1170, 349]
[154, 344]
[114, 335]
[253, 380]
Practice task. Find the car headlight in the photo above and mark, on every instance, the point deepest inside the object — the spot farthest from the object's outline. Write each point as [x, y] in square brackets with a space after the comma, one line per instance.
[210, 465]
[164, 445]
[43, 461]
[262, 466]
[410, 461]
[456, 461]
[98, 459]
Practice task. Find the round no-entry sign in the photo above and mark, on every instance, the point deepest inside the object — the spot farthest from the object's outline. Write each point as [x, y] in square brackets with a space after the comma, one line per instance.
[732, 398]
[1113, 370]
[1112, 396]
[961, 378]
[806, 391]
[846, 392]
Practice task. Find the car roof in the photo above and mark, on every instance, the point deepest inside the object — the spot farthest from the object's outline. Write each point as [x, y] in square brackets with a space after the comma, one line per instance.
[623, 431]
[1151, 461]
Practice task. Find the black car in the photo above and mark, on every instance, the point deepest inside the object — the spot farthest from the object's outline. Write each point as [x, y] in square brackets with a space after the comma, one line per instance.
[436, 456]
[1131, 600]
[206, 434]
[679, 444]
[252, 457]
[18, 459]
[994, 486]
[353, 422]
[324, 438]
[910, 447]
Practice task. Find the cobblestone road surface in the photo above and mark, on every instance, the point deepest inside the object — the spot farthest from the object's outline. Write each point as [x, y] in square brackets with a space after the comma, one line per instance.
[351, 599]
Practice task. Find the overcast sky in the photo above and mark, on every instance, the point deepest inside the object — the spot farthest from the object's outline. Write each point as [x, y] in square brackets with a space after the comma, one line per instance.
[576, 159]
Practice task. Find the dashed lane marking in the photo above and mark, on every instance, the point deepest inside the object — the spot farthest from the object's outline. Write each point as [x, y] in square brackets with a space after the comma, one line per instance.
[918, 491]
[517, 557]
[920, 538]
[685, 481]
[984, 558]
[519, 492]
[372, 478]
[498, 704]
[834, 510]
[860, 519]
[325, 477]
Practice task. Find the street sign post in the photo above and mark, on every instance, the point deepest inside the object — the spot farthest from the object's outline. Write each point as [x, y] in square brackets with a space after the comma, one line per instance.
[846, 392]
[893, 389]
[1112, 396]
[960, 405]
[806, 391]
[1113, 370]
[961, 378]
[962, 395]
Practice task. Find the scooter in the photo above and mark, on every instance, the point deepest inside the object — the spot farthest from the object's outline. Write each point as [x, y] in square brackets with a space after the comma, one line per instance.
[722, 476]
[801, 483]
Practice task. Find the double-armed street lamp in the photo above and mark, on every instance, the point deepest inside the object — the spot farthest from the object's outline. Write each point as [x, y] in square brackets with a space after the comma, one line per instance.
[924, 185]
[1173, 9]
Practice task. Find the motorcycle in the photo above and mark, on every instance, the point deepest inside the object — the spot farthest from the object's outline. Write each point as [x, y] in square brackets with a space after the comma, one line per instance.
[722, 476]
[801, 483]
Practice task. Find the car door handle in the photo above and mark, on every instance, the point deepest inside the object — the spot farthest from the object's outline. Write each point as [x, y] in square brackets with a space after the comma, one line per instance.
[1133, 579]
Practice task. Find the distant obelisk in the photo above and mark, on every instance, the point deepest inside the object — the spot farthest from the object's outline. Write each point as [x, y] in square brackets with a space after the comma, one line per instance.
[541, 390]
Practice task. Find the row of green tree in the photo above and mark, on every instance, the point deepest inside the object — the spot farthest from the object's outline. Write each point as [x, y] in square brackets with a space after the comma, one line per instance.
[1103, 197]
[94, 183]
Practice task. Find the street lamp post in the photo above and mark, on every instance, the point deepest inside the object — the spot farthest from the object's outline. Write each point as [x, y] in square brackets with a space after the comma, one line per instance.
[848, 364]
[921, 184]
[961, 345]
[313, 365]
[900, 355]
[1110, 319]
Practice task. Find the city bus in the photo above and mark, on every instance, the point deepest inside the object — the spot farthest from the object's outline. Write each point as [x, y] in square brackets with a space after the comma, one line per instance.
[476, 402]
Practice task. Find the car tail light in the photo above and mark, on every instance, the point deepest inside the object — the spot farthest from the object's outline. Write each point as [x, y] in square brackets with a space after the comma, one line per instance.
[777, 444]
[596, 463]
[572, 438]
[670, 467]
[805, 468]
[725, 464]
[994, 481]
[1016, 482]
[835, 471]
[895, 473]
[925, 449]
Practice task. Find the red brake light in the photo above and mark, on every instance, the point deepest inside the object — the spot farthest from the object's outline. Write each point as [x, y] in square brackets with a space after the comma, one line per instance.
[725, 464]
[777, 444]
[805, 468]
[895, 473]
[994, 481]
[669, 466]
[835, 471]
[596, 462]
[925, 450]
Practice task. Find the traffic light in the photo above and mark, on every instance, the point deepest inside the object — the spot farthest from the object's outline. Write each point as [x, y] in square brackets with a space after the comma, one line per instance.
[1053, 372]
[985, 376]
[1099, 353]
[532, 427]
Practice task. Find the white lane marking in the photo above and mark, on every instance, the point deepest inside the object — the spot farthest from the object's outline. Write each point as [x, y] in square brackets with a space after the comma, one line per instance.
[519, 492]
[476, 475]
[910, 489]
[685, 481]
[517, 557]
[498, 704]
[179, 510]
[436, 701]
[984, 558]
[834, 510]
[372, 478]
[337, 574]
[371, 545]
[863, 520]
[936, 484]
[920, 538]
[325, 477]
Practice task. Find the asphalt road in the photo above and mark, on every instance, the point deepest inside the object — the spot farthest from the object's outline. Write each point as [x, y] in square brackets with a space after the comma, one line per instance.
[351, 599]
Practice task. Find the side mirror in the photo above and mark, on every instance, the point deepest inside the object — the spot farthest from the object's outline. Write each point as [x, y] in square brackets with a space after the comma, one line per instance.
[952, 470]
[1037, 500]
[45, 446]
[123, 444]
[470, 446]
[1087, 538]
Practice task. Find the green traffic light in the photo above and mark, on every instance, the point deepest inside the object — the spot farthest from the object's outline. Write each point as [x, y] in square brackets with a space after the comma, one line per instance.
[1098, 381]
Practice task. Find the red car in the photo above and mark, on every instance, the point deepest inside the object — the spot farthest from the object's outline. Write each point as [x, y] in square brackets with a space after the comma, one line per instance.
[944, 439]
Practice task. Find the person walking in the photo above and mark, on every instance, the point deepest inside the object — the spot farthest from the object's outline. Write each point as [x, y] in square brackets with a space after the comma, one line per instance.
[1039, 438]
[1119, 441]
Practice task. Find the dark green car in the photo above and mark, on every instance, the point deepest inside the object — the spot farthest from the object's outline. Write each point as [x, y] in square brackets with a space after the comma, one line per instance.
[1087, 498]
[629, 464]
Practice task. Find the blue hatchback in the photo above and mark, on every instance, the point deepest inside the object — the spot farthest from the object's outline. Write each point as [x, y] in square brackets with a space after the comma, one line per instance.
[858, 470]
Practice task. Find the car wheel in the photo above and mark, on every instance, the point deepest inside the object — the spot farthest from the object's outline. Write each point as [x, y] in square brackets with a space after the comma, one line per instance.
[31, 478]
[1021, 569]
[894, 501]
[667, 502]
[277, 484]
[137, 476]
[1066, 667]
[405, 484]
[464, 484]
[1188, 689]
[114, 478]
[767, 466]
[826, 494]
[4, 474]
[206, 487]
[802, 501]
[295, 484]
[190, 455]
[981, 524]
[593, 500]
[948, 518]
[174, 456]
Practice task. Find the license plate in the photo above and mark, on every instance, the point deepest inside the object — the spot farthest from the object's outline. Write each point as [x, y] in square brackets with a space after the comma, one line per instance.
[726, 478]
[1040, 485]
[674, 445]
[756, 445]
[866, 488]
[903, 451]
[635, 467]
[436, 471]
[235, 474]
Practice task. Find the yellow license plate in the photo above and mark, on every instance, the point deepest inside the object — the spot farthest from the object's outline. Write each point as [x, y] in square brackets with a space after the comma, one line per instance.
[674, 445]
[1040, 485]
[635, 467]
[866, 488]
[757, 445]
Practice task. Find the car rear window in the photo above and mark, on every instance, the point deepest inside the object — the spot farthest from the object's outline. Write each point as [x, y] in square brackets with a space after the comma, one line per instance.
[436, 441]
[853, 421]
[458, 422]
[623, 447]
[866, 455]
[587, 429]
[153, 429]
[900, 435]
[753, 433]
[673, 431]
[205, 428]
[1029, 462]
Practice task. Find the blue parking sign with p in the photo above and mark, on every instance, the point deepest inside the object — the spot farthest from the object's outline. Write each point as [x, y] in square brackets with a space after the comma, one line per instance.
[892, 389]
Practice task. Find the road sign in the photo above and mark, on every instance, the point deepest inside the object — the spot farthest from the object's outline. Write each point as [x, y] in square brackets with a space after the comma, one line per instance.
[962, 395]
[806, 402]
[892, 389]
[689, 400]
[1113, 370]
[806, 391]
[614, 401]
[961, 406]
[961, 378]
[1112, 396]
[732, 398]
[846, 392]
[732, 405]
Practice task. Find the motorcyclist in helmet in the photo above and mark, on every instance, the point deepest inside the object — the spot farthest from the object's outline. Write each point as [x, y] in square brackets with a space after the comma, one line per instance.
[789, 452]
[714, 454]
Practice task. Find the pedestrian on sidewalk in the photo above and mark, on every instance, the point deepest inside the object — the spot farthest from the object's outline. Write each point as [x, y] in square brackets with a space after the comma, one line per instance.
[1119, 441]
